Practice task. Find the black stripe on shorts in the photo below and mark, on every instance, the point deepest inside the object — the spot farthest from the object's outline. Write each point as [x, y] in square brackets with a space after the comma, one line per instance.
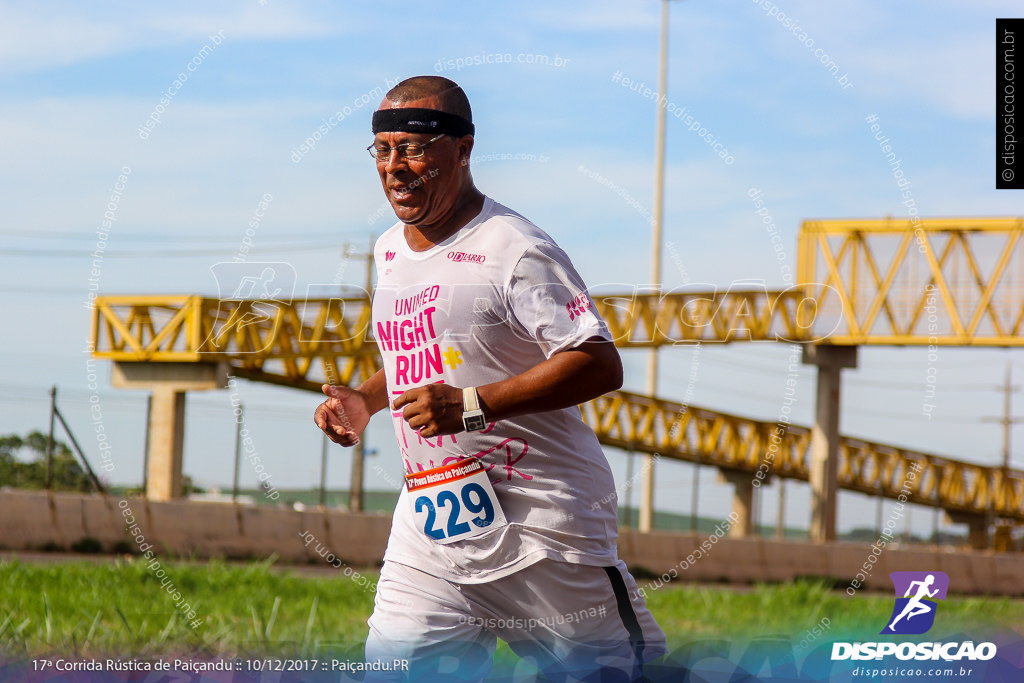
[626, 612]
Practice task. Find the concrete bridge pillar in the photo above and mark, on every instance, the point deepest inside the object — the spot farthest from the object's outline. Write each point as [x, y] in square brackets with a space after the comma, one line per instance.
[977, 527]
[742, 501]
[168, 383]
[825, 436]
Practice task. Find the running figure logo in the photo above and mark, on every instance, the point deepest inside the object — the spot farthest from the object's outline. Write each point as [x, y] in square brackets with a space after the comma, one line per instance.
[914, 613]
[250, 296]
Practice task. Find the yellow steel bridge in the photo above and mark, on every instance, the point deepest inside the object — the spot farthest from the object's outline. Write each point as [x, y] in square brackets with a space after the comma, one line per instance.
[952, 282]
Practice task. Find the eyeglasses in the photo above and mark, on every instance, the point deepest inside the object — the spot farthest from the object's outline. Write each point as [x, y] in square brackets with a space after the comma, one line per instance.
[406, 150]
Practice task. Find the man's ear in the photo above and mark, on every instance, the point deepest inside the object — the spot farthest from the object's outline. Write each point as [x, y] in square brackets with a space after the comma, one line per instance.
[465, 148]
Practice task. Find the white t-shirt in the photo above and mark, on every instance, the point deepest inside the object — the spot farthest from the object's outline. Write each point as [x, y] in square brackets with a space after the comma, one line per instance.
[494, 300]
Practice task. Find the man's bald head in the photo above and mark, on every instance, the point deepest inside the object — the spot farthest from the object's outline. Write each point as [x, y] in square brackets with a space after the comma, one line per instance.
[444, 95]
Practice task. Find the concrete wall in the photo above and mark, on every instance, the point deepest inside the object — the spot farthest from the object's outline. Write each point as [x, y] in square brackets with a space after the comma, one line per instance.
[745, 560]
[33, 520]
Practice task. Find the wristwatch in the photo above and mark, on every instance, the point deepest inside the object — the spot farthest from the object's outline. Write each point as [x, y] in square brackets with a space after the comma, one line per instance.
[472, 416]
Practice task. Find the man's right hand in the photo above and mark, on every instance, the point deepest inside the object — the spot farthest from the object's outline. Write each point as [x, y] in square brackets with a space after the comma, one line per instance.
[343, 416]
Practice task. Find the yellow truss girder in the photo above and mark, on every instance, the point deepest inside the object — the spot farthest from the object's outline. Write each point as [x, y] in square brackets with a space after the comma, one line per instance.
[948, 281]
[295, 333]
[680, 432]
[740, 313]
[302, 343]
[295, 343]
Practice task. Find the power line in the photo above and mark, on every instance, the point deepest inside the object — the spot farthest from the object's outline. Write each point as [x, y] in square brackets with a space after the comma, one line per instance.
[173, 253]
[960, 365]
[29, 394]
[903, 417]
[1008, 389]
[43, 291]
[915, 386]
[856, 381]
[161, 237]
[748, 366]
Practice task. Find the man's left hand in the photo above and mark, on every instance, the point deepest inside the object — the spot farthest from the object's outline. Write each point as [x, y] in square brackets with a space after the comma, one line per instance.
[432, 410]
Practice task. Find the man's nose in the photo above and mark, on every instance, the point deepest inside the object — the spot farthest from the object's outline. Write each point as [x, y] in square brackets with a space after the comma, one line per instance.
[395, 161]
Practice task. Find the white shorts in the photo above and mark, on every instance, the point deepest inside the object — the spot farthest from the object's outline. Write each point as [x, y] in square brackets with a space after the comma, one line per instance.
[570, 621]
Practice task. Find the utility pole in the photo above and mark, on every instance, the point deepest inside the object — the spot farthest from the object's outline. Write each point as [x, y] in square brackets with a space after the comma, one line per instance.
[1001, 482]
[239, 422]
[49, 440]
[695, 494]
[355, 496]
[145, 449]
[628, 514]
[349, 252]
[780, 522]
[647, 493]
[323, 473]
[1008, 388]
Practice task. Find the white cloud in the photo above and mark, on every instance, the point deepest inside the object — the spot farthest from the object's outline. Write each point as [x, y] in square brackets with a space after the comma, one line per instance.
[596, 15]
[899, 54]
[36, 37]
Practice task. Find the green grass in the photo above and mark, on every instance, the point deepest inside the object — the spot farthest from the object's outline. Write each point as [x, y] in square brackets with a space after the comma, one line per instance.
[692, 612]
[120, 607]
[79, 608]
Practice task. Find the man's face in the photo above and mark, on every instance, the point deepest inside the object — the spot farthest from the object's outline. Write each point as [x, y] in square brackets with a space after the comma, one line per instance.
[422, 191]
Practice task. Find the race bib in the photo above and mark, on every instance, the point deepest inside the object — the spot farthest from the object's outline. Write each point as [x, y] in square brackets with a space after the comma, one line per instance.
[454, 502]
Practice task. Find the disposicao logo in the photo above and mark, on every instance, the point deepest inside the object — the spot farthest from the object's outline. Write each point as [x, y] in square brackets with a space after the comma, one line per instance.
[914, 612]
[917, 594]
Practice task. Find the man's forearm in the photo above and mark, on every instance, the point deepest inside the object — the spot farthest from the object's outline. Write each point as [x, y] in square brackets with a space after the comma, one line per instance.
[566, 379]
[375, 392]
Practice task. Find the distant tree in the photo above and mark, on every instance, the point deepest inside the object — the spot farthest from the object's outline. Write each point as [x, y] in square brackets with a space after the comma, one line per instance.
[866, 535]
[947, 538]
[9, 445]
[188, 486]
[860, 534]
[65, 474]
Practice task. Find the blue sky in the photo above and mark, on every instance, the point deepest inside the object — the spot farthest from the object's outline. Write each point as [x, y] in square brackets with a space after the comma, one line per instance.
[78, 80]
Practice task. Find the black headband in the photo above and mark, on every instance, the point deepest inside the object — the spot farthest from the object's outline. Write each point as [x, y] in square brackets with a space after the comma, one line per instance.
[416, 120]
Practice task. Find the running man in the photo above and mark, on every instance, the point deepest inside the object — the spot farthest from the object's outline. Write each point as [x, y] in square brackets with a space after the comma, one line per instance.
[489, 343]
[914, 606]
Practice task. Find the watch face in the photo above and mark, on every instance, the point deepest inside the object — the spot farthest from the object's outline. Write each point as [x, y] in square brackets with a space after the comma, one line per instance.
[474, 423]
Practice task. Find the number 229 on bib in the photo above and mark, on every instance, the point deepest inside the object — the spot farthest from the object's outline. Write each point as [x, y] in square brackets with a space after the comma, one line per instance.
[454, 502]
